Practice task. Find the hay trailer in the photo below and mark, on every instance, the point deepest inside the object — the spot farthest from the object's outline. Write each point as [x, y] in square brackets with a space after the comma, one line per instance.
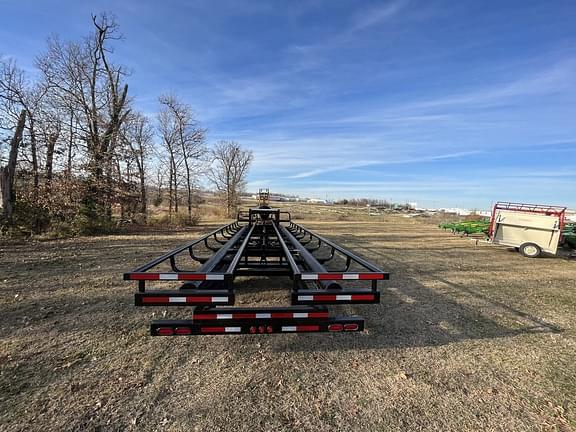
[263, 241]
[530, 228]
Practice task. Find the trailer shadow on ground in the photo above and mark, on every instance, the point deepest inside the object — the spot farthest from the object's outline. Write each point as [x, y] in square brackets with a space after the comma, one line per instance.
[412, 315]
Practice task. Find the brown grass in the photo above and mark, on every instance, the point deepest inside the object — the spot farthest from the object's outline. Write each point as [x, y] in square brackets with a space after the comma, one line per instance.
[466, 338]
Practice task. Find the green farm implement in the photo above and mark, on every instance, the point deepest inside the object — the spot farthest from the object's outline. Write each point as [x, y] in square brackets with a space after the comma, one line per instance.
[467, 227]
[569, 235]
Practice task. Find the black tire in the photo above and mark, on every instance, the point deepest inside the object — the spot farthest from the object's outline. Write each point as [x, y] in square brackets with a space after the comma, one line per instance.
[530, 250]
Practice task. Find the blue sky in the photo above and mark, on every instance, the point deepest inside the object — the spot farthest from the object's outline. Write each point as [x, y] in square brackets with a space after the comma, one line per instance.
[440, 102]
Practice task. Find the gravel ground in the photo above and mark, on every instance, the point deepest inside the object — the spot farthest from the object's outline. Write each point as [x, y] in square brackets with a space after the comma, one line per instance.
[467, 337]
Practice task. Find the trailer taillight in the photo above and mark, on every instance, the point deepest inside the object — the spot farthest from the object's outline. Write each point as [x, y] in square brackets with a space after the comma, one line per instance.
[165, 331]
[269, 329]
[183, 330]
[350, 327]
[335, 327]
[253, 329]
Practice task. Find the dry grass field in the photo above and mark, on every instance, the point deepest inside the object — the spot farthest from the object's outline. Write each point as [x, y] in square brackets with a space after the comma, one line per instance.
[467, 337]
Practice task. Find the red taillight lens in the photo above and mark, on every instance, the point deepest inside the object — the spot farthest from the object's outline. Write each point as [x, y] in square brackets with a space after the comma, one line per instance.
[183, 330]
[350, 327]
[165, 331]
[261, 329]
[252, 329]
[335, 327]
[269, 329]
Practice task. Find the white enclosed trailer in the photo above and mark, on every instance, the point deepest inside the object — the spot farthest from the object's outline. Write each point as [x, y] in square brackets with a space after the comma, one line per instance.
[531, 228]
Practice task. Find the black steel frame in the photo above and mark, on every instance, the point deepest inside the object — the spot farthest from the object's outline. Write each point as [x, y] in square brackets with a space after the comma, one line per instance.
[261, 242]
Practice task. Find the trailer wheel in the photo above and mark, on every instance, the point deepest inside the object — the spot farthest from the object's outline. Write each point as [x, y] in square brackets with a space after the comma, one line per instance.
[530, 250]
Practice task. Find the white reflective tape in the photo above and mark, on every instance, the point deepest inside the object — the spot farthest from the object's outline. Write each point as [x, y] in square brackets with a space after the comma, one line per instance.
[168, 276]
[219, 299]
[177, 299]
[289, 328]
[263, 315]
[232, 329]
[343, 297]
[223, 316]
[309, 276]
[300, 314]
[305, 298]
[214, 277]
[351, 276]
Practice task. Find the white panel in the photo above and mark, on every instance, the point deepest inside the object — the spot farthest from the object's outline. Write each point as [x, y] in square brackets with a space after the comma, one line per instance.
[232, 329]
[350, 276]
[214, 277]
[219, 299]
[300, 314]
[289, 328]
[306, 298]
[343, 297]
[309, 276]
[263, 315]
[177, 299]
[168, 276]
[223, 316]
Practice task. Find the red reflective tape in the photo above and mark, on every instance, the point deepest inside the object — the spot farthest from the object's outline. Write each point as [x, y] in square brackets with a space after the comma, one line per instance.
[213, 329]
[282, 314]
[183, 330]
[329, 276]
[165, 331]
[191, 276]
[362, 296]
[155, 299]
[204, 316]
[307, 328]
[317, 314]
[191, 299]
[324, 297]
[370, 276]
[145, 276]
[244, 315]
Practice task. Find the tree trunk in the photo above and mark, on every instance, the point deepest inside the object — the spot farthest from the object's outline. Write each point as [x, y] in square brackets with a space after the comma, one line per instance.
[50, 146]
[34, 152]
[70, 144]
[170, 193]
[189, 197]
[143, 209]
[8, 172]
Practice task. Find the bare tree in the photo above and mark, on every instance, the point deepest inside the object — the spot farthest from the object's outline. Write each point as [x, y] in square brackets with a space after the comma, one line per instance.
[169, 157]
[81, 77]
[138, 136]
[186, 140]
[160, 176]
[7, 173]
[229, 171]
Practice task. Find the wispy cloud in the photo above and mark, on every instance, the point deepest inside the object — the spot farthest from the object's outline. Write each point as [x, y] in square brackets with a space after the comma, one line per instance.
[552, 80]
[309, 55]
[376, 15]
[366, 163]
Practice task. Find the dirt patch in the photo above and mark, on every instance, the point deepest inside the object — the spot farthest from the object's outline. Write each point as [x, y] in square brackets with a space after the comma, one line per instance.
[467, 337]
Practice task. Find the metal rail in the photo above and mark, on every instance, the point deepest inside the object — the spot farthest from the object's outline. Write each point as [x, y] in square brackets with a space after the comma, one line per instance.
[262, 246]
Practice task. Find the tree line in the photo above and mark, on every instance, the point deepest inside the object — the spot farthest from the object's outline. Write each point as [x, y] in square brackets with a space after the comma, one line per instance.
[76, 152]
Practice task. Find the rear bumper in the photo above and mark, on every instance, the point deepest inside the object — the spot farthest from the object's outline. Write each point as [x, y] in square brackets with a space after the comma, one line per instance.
[256, 327]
